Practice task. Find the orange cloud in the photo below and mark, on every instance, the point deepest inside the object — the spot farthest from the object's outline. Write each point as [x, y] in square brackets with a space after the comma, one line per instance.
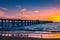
[41, 14]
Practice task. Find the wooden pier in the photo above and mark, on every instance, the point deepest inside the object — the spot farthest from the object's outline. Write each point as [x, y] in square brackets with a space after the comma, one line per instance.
[17, 22]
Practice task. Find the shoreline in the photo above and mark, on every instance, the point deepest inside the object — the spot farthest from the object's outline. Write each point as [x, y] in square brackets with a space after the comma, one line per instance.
[36, 35]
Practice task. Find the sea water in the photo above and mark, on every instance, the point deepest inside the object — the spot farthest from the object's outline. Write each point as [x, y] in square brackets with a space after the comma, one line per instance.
[45, 27]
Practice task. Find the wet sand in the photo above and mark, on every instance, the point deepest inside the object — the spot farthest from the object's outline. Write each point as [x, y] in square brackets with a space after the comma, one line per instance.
[25, 38]
[36, 36]
[40, 35]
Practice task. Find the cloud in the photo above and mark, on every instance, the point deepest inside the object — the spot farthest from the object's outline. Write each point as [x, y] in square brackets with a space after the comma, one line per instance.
[2, 14]
[23, 10]
[36, 11]
[2, 8]
[41, 14]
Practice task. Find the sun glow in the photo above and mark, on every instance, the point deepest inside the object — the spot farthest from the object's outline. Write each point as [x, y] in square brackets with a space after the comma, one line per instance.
[55, 18]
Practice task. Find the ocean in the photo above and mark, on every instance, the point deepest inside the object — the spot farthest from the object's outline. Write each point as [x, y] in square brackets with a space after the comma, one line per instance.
[45, 27]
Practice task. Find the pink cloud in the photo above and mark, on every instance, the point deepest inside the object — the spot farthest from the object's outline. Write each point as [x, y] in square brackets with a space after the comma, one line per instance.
[2, 14]
[41, 14]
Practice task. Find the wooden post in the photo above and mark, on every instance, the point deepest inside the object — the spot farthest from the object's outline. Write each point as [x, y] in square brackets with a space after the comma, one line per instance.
[1, 23]
[17, 23]
[12, 23]
[21, 22]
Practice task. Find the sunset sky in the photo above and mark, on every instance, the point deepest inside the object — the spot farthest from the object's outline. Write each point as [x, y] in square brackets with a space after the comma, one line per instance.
[31, 9]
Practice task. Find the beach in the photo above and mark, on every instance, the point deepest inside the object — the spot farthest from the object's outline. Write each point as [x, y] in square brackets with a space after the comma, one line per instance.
[33, 34]
[25, 38]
